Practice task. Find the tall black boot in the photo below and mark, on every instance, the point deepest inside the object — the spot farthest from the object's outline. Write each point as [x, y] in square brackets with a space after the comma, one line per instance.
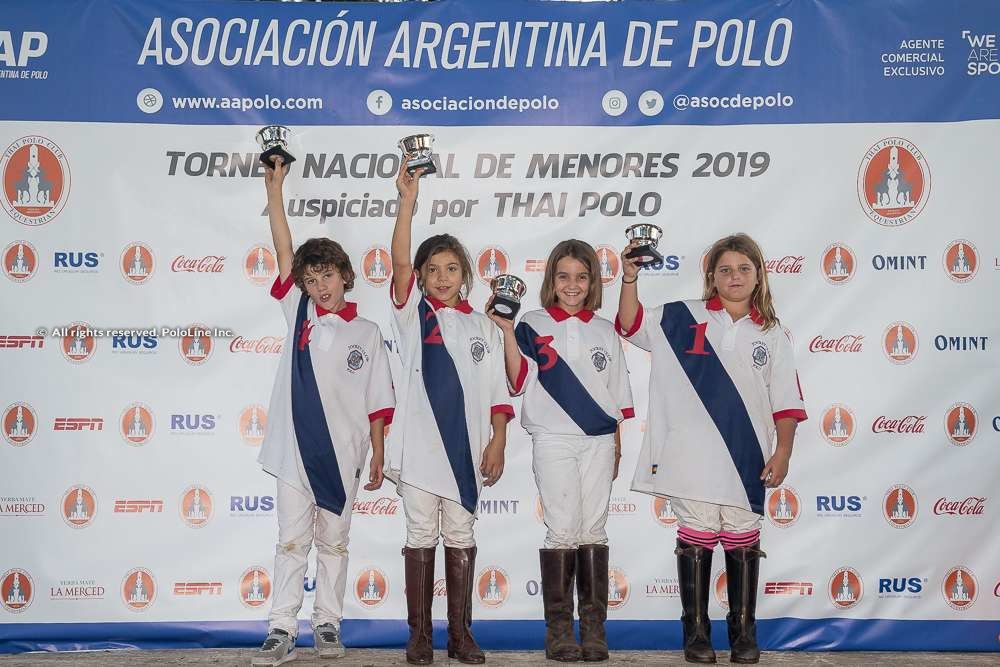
[694, 570]
[558, 567]
[419, 574]
[742, 568]
[592, 594]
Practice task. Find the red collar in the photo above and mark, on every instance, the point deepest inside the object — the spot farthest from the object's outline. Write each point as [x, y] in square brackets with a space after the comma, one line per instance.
[715, 303]
[560, 315]
[462, 307]
[348, 312]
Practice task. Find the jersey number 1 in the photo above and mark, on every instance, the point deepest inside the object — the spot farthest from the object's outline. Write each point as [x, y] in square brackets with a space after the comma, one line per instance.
[698, 346]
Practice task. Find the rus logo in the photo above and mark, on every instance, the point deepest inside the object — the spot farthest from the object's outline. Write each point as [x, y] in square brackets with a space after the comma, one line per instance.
[838, 264]
[894, 182]
[889, 585]
[138, 589]
[721, 588]
[259, 265]
[899, 342]
[609, 262]
[195, 506]
[134, 343]
[371, 587]
[75, 259]
[961, 260]
[136, 424]
[20, 423]
[20, 261]
[192, 422]
[196, 344]
[899, 506]
[783, 506]
[79, 506]
[960, 588]
[253, 425]
[838, 425]
[491, 262]
[376, 266]
[663, 513]
[17, 590]
[78, 344]
[618, 588]
[845, 588]
[255, 587]
[961, 423]
[493, 586]
[36, 180]
[845, 504]
[251, 504]
[137, 263]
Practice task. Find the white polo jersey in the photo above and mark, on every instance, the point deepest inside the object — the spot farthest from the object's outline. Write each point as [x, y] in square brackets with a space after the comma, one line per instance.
[573, 374]
[333, 380]
[453, 381]
[716, 389]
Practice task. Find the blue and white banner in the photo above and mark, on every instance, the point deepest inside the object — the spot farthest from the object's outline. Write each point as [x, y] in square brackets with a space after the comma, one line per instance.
[855, 141]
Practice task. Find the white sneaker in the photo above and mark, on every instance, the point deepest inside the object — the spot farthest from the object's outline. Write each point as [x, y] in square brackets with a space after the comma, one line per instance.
[278, 648]
[327, 638]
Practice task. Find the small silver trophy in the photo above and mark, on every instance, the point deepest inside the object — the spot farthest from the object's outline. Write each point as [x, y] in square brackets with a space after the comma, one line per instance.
[507, 293]
[273, 141]
[418, 150]
[648, 236]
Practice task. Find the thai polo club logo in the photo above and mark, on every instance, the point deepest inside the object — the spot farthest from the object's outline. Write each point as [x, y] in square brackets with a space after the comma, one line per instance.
[845, 588]
[137, 263]
[371, 587]
[663, 512]
[609, 262]
[899, 342]
[195, 344]
[376, 266]
[721, 589]
[253, 425]
[20, 423]
[493, 586]
[618, 588]
[255, 587]
[491, 262]
[136, 424]
[259, 265]
[36, 180]
[783, 506]
[961, 260]
[138, 589]
[838, 425]
[17, 590]
[79, 506]
[899, 506]
[960, 588]
[78, 343]
[196, 506]
[960, 423]
[20, 261]
[894, 182]
[838, 264]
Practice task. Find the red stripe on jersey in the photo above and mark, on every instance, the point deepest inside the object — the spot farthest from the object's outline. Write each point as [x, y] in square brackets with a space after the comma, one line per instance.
[797, 415]
[384, 413]
[503, 409]
[635, 325]
[280, 289]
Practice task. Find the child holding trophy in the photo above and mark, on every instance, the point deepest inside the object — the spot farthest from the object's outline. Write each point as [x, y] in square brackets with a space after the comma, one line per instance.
[568, 363]
[722, 385]
[332, 396]
[451, 425]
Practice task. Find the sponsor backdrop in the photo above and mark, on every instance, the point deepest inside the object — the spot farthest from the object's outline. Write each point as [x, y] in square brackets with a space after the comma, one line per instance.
[856, 142]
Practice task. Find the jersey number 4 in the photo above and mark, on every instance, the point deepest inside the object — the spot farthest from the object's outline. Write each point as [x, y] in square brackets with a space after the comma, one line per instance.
[698, 346]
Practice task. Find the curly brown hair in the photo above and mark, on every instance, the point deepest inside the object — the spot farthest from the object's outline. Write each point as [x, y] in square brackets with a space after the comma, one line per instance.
[319, 255]
[579, 250]
[444, 243]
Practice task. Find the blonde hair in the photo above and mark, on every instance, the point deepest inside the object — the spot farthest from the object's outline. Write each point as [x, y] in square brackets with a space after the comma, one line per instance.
[761, 296]
[583, 252]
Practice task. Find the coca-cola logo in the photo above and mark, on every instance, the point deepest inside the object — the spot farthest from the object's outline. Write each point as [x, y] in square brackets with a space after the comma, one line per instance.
[907, 424]
[262, 345]
[971, 506]
[846, 343]
[206, 264]
[383, 506]
[786, 264]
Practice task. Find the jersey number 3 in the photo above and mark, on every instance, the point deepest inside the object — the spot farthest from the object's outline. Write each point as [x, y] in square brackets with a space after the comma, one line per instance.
[545, 350]
[698, 346]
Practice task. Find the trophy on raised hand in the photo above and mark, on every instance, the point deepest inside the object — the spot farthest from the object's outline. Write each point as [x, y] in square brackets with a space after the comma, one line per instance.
[648, 236]
[417, 150]
[507, 293]
[273, 141]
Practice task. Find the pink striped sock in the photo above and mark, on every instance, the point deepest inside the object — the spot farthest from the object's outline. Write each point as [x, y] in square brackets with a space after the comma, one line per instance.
[738, 540]
[697, 537]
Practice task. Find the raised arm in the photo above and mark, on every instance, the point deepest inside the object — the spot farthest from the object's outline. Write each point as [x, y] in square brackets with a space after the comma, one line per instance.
[402, 264]
[274, 179]
[628, 300]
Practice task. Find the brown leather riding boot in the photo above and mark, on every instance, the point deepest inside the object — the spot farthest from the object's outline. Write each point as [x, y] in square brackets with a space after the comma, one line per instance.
[742, 567]
[558, 567]
[694, 570]
[592, 594]
[459, 567]
[419, 573]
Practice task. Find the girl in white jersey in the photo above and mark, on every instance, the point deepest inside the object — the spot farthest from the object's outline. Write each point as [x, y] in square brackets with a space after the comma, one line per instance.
[568, 362]
[722, 384]
[450, 427]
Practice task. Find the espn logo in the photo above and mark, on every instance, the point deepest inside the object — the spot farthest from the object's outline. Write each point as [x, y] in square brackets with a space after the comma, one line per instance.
[79, 424]
[138, 506]
[788, 588]
[17, 342]
[188, 588]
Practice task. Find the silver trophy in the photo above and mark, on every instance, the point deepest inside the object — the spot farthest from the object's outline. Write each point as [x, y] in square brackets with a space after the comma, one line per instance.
[648, 236]
[418, 150]
[273, 141]
[507, 293]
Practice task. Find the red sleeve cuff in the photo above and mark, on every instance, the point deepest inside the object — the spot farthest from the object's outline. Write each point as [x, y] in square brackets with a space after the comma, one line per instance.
[797, 415]
[409, 290]
[522, 373]
[504, 409]
[635, 325]
[628, 413]
[280, 289]
[384, 413]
